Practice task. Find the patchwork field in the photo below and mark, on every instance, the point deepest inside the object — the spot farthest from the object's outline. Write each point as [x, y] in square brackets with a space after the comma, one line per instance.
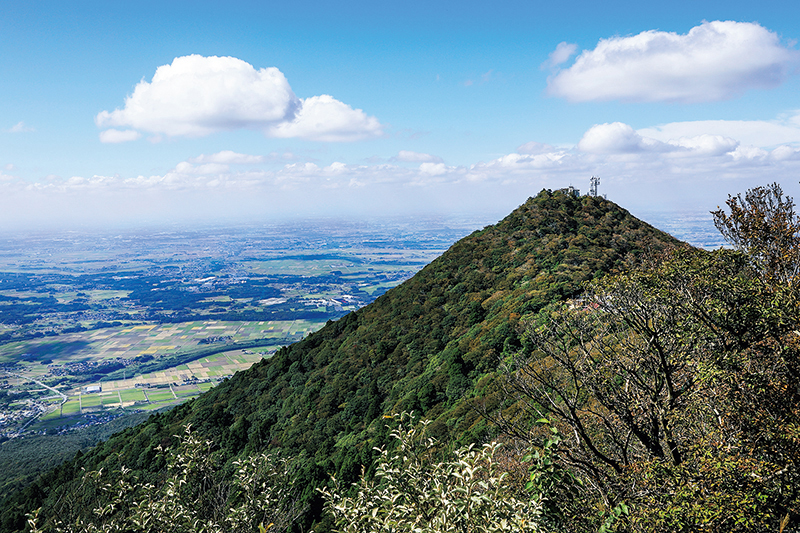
[158, 389]
[204, 353]
[141, 340]
[97, 324]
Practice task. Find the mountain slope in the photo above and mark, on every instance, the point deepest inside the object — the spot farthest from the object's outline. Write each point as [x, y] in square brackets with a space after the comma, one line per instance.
[430, 345]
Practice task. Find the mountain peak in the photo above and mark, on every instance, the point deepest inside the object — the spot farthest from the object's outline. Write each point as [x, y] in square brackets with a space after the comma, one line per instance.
[430, 345]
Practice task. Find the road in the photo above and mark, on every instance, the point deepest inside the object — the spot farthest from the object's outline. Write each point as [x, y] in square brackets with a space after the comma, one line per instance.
[33, 418]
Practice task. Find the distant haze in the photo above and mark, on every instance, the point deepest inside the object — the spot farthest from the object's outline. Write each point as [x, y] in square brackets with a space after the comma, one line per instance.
[179, 112]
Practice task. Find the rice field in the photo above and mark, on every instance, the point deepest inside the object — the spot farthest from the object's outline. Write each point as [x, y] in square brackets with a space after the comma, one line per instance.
[152, 390]
[142, 340]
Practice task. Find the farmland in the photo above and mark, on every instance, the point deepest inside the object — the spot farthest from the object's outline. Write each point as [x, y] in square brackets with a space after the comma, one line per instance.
[95, 327]
[134, 368]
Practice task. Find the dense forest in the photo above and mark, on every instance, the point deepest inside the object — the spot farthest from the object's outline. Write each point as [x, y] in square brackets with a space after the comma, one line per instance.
[636, 384]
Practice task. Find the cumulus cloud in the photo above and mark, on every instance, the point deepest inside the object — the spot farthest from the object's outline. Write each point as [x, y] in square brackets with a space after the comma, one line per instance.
[714, 61]
[433, 169]
[750, 154]
[118, 136]
[6, 177]
[785, 153]
[323, 118]
[195, 96]
[706, 144]
[636, 170]
[616, 138]
[408, 156]
[614, 150]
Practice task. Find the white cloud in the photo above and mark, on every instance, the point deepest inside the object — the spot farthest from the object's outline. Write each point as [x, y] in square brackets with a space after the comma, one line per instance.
[118, 136]
[408, 156]
[617, 138]
[433, 169]
[323, 118]
[706, 144]
[714, 61]
[20, 127]
[636, 171]
[751, 154]
[785, 153]
[195, 96]
[228, 157]
[336, 167]
[560, 55]
[750, 132]
[615, 151]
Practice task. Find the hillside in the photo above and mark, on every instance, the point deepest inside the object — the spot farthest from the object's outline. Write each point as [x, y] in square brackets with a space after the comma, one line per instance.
[431, 345]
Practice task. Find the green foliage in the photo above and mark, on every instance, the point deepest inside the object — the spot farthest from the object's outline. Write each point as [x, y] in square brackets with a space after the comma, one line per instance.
[676, 383]
[679, 381]
[414, 491]
[260, 492]
[21, 460]
[764, 226]
[552, 484]
[432, 345]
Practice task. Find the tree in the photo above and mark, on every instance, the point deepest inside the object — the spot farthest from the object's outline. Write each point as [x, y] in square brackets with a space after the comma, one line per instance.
[678, 383]
[414, 491]
[615, 374]
[764, 226]
[193, 497]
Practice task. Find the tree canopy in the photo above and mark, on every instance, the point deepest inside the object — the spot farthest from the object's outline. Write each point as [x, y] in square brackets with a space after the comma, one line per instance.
[665, 377]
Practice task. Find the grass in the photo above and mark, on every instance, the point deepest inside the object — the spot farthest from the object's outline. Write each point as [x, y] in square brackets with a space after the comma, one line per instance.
[107, 294]
[112, 400]
[133, 341]
[132, 395]
[161, 395]
[89, 401]
[71, 407]
[157, 406]
[187, 392]
[172, 344]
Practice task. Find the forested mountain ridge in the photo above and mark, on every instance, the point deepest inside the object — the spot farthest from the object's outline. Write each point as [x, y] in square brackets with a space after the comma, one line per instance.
[430, 345]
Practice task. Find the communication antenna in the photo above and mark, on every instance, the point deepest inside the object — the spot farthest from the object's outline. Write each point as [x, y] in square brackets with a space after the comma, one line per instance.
[595, 181]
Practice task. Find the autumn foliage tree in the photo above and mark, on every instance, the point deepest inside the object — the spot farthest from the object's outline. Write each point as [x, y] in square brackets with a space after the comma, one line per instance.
[764, 226]
[677, 383]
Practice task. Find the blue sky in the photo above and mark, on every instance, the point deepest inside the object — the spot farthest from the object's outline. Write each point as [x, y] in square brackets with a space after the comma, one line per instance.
[148, 112]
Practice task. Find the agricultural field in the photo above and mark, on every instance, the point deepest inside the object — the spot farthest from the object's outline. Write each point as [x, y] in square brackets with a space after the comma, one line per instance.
[139, 367]
[95, 327]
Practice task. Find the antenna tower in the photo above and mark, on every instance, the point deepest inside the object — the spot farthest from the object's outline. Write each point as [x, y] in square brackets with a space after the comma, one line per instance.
[595, 181]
